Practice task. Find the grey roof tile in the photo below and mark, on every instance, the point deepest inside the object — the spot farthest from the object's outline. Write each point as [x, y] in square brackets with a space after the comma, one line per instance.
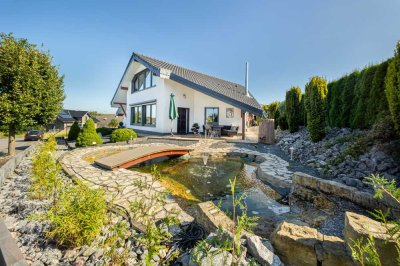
[215, 86]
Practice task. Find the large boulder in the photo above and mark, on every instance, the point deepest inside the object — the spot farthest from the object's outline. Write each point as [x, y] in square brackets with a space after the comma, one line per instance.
[358, 226]
[303, 245]
[263, 253]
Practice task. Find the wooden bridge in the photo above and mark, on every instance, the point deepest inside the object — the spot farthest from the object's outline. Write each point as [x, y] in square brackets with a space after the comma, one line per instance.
[131, 157]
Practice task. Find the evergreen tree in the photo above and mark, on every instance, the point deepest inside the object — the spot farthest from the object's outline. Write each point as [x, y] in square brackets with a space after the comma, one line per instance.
[392, 83]
[293, 108]
[88, 135]
[316, 93]
[377, 105]
[362, 90]
[74, 131]
[347, 96]
[31, 89]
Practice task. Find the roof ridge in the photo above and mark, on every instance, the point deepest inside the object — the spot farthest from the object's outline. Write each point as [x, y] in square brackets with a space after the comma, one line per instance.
[139, 54]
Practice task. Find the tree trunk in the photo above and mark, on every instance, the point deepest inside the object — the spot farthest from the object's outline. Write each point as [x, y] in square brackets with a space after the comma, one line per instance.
[11, 140]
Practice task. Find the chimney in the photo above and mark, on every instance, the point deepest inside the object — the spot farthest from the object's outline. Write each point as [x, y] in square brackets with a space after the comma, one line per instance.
[247, 80]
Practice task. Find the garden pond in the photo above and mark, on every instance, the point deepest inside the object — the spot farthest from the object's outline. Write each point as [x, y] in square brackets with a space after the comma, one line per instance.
[191, 180]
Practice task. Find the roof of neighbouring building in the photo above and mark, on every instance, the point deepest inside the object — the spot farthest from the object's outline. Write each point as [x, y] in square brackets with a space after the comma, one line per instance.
[74, 115]
[230, 92]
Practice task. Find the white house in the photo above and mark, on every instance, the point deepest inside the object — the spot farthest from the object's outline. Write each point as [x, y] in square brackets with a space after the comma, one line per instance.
[143, 97]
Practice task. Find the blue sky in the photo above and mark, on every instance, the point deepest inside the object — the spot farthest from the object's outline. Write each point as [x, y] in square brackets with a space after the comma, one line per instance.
[285, 41]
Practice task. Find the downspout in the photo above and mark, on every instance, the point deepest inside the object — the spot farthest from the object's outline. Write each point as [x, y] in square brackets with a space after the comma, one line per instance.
[244, 114]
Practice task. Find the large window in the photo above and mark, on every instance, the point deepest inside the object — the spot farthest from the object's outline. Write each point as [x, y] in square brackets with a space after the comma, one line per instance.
[143, 80]
[212, 115]
[144, 115]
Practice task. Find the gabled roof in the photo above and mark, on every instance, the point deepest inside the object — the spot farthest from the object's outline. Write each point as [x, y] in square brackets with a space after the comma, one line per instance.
[226, 91]
[76, 114]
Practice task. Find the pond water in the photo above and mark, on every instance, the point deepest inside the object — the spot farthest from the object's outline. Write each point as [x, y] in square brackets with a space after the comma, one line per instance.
[198, 182]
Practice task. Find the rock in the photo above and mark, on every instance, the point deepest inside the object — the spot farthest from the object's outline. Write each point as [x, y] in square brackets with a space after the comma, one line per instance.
[80, 261]
[289, 239]
[360, 227]
[210, 217]
[302, 245]
[261, 252]
[212, 258]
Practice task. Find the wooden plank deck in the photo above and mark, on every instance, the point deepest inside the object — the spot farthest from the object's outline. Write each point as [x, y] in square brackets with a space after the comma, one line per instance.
[137, 155]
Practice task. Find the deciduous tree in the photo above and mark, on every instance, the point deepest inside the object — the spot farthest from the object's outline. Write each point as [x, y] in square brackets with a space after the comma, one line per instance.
[31, 89]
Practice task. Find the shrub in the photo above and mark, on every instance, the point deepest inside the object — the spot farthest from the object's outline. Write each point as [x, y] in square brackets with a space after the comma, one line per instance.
[303, 113]
[113, 123]
[377, 104]
[271, 109]
[123, 134]
[78, 215]
[334, 101]
[74, 131]
[360, 102]
[104, 131]
[293, 108]
[88, 135]
[282, 122]
[315, 102]
[347, 95]
[392, 83]
[44, 178]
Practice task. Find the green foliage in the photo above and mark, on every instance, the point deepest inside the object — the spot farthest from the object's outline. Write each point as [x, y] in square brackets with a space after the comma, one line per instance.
[145, 211]
[123, 134]
[347, 95]
[334, 101]
[303, 113]
[31, 89]
[392, 82]
[88, 135]
[377, 104]
[113, 123]
[74, 131]
[271, 109]
[282, 122]
[315, 103]
[360, 102]
[114, 244]
[293, 108]
[364, 251]
[78, 215]
[104, 131]
[45, 182]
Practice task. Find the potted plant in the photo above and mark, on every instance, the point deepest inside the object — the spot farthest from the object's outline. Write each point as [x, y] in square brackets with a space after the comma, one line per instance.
[195, 128]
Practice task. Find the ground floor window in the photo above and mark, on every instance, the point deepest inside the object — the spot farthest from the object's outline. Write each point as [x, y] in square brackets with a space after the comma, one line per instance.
[144, 114]
[212, 115]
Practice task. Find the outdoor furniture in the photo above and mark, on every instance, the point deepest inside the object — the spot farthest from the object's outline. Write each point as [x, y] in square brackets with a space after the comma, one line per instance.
[230, 131]
[217, 130]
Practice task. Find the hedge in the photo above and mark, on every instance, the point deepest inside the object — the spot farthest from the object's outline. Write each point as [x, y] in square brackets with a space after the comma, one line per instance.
[315, 102]
[123, 134]
[293, 108]
[392, 82]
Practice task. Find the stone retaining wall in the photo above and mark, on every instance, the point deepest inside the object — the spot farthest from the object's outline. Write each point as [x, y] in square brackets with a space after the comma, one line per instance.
[8, 168]
[302, 183]
[9, 251]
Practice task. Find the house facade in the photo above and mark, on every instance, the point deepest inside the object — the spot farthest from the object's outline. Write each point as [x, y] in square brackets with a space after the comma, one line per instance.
[143, 97]
[66, 118]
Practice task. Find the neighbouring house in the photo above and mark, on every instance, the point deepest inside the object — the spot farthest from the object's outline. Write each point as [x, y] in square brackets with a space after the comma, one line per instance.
[66, 118]
[104, 119]
[143, 96]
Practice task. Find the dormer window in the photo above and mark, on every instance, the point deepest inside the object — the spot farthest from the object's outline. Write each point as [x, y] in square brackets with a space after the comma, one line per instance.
[143, 80]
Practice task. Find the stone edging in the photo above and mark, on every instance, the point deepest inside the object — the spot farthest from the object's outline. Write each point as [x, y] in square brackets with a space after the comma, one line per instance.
[8, 168]
[9, 251]
[351, 194]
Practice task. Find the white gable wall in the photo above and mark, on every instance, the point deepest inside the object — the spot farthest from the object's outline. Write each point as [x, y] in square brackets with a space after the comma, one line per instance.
[184, 97]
